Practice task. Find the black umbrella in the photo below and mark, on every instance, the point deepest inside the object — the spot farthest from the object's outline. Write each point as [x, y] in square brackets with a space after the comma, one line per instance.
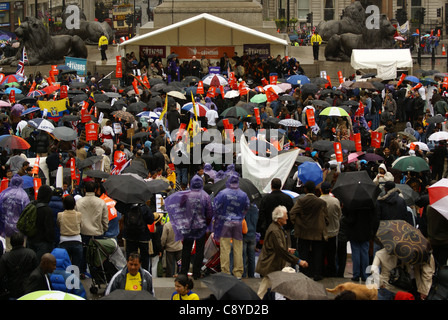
[157, 185]
[138, 169]
[356, 189]
[323, 145]
[244, 184]
[121, 294]
[436, 119]
[172, 55]
[79, 98]
[154, 81]
[286, 97]
[103, 105]
[97, 174]
[348, 145]
[71, 117]
[100, 97]
[218, 148]
[127, 189]
[309, 88]
[227, 287]
[87, 162]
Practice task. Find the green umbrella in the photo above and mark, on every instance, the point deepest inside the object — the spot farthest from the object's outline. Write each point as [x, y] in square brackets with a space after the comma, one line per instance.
[334, 111]
[410, 163]
[10, 84]
[234, 112]
[259, 98]
[50, 295]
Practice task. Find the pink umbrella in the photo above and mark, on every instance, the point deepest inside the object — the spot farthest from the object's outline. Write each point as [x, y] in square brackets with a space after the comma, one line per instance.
[352, 157]
[400, 38]
[4, 103]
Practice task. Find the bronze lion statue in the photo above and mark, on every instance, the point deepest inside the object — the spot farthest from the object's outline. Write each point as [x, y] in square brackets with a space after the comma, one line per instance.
[42, 48]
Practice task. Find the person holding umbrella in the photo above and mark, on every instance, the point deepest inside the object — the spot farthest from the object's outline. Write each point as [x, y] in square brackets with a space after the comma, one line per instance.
[276, 251]
[309, 216]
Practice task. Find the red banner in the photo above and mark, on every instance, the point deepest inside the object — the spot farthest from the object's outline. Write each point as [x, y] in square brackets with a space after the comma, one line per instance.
[271, 95]
[12, 96]
[112, 212]
[64, 92]
[73, 168]
[242, 88]
[403, 75]
[92, 131]
[37, 182]
[135, 86]
[358, 145]
[118, 68]
[310, 117]
[211, 92]
[340, 77]
[200, 89]
[338, 152]
[375, 140]
[36, 166]
[257, 115]
[199, 51]
[228, 129]
[273, 79]
[4, 184]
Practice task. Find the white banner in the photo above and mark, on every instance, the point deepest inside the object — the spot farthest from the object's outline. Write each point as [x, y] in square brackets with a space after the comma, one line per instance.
[387, 71]
[261, 170]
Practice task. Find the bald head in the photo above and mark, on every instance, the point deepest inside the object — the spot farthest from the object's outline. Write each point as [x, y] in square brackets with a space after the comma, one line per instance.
[48, 263]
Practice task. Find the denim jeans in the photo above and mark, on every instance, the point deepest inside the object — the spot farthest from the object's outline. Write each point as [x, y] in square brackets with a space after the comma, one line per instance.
[249, 257]
[182, 175]
[74, 250]
[360, 258]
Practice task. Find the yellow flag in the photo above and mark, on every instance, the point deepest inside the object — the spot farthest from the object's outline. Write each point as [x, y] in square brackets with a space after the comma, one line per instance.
[165, 108]
[19, 21]
[194, 107]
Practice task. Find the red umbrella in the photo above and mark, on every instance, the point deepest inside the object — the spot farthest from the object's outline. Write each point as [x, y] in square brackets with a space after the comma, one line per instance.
[14, 142]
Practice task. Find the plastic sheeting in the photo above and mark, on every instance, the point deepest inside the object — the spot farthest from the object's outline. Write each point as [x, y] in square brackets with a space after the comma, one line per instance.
[370, 59]
[261, 170]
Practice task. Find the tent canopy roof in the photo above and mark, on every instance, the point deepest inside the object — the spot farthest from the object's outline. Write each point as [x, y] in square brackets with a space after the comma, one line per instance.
[371, 58]
[204, 30]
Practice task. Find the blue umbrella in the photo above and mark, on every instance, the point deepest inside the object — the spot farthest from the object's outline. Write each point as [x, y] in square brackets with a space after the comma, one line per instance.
[16, 90]
[30, 110]
[310, 171]
[28, 182]
[412, 79]
[298, 79]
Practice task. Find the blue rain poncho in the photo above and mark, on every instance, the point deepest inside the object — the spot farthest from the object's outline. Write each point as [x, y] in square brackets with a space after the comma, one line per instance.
[190, 211]
[12, 202]
[230, 207]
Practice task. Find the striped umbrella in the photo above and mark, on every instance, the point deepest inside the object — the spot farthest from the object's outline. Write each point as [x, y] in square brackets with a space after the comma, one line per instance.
[201, 109]
[36, 93]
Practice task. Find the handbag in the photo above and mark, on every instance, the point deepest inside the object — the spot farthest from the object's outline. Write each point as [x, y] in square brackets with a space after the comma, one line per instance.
[400, 278]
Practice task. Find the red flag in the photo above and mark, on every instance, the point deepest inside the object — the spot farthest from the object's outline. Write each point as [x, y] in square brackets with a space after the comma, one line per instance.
[211, 92]
[264, 82]
[112, 212]
[228, 129]
[242, 88]
[12, 96]
[338, 152]
[73, 168]
[273, 79]
[33, 86]
[417, 86]
[360, 110]
[36, 166]
[135, 86]
[181, 130]
[376, 139]
[221, 89]
[403, 75]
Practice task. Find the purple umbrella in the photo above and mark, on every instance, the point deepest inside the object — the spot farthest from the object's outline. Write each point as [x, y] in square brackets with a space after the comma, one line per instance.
[17, 109]
[371, 157]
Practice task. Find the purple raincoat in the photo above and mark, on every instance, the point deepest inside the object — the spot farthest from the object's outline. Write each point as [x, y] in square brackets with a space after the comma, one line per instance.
[190, 211]
[230, 206]
[208, 169]
[12, 202]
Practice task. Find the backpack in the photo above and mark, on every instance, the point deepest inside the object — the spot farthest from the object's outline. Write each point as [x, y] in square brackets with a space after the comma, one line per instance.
[134, 223]
[28, 218]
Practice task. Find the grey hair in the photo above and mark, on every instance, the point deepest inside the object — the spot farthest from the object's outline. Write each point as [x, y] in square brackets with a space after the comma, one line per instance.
[278, 212]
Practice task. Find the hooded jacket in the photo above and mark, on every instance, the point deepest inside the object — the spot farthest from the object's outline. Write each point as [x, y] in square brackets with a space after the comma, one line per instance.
[190, 211]
[12, 202]
[45, 218]
[230, 206]
[380, 179]
[392, 206]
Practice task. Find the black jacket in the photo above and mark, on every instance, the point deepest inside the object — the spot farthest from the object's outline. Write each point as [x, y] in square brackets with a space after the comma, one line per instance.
[16, 266]
[268, 203]
[38, 281]
[392, 206]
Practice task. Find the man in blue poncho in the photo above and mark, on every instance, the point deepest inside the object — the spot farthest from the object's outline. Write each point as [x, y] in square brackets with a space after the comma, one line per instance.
[12, 202]
[230, 206]
[190, 212]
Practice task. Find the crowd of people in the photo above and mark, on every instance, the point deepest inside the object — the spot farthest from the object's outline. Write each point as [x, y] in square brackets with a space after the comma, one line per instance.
[314, 229]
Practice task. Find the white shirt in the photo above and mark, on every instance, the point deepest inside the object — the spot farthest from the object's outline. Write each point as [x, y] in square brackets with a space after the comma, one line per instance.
[211, 116]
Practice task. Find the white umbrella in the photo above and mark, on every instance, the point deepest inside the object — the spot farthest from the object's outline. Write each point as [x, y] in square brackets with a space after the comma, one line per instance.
[441, 135]
[41, 124]
[276, 88]
[232, 94]
[290, 123]
[208, 79]
[422, 146]
[177, 94]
